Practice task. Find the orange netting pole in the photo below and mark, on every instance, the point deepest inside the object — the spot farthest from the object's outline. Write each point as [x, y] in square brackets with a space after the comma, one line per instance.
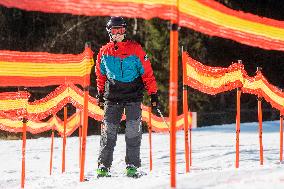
[190, 144]
[85, 117]
[238, 120]
[173, 92]
[150, 137]
[24, 137]
[185, 116]
[80, 138]
[260, 129]
[64, 140]
[281, 137]
[51, 150]
[84, 132]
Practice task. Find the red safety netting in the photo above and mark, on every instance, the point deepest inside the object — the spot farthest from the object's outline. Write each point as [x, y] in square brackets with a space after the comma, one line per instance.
[13, 105]
[43, 69]
[206, 16]
[54, 102]
[214, 80]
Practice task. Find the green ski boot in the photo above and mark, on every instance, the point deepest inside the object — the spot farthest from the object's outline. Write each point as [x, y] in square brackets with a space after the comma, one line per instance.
[102, 171]
[131, 171]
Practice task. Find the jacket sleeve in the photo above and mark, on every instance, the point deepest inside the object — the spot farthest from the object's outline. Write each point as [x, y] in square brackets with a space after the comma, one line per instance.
[100, 73]
[146, 71]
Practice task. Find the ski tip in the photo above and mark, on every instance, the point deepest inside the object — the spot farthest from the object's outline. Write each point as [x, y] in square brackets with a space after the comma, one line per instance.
[137, 175]
[104, 176]
[86, 179]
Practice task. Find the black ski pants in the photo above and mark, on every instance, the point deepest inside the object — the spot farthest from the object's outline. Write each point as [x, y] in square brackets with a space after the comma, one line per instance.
[133, 132]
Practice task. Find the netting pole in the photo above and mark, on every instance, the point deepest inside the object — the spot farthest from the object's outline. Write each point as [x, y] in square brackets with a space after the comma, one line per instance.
[259, 111]
[24, 137]
[173, 92]
[281, 137]
[259, 99]
[80, 138]
[85, 120]
[51, 150]
[190, 142]
[238, 121]
[150, 137]
[64, 140]
[84, 132]
[185, 115]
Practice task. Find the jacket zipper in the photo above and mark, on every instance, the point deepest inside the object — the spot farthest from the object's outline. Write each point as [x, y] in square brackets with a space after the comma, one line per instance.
[121, 68]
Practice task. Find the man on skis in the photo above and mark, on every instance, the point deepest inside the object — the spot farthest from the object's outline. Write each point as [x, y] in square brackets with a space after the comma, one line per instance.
[123, 70]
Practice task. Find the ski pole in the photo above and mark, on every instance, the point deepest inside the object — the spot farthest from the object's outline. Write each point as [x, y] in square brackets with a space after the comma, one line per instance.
[162, 116]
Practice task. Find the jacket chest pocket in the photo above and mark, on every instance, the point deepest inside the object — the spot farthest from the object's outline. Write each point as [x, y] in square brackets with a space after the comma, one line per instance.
[113, 65]
[129, 64]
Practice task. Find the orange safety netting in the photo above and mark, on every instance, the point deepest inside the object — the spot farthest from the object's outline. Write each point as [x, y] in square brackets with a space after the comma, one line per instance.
[43, 69]
[54, 102]
[36, 127]
[158, 124]
[213, 80]
[258, 85]
[206, 16]
[57, 99]
[49, 105]
[13, 105]
[73, 123]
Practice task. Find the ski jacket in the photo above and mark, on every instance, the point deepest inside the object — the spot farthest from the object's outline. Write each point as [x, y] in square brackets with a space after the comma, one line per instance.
[123, 70]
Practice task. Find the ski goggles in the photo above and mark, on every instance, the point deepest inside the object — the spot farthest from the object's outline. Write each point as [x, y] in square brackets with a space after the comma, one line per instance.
[115, 31]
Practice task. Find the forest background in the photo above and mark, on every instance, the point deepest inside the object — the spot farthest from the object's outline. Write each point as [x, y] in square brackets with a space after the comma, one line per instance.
[65, 33]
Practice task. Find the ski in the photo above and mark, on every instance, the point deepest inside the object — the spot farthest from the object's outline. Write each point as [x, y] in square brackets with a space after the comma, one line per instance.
[137, 175]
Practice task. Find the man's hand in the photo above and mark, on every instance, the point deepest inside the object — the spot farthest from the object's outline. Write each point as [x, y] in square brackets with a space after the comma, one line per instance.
[100, 100]
[154, 100]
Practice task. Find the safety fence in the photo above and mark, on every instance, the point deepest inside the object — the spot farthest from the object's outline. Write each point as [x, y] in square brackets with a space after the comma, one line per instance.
[33, 69]
[214, 80]
[205, 16]
[15, 105]
[19, 114]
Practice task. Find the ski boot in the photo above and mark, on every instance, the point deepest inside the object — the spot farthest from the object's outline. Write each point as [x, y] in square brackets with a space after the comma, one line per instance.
[102, 171]
[131, 171]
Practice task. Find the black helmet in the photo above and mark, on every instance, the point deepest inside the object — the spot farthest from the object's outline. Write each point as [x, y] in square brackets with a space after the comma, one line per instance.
[115, 21]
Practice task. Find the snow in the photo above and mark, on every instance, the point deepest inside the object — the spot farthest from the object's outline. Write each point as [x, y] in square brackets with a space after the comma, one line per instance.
[213, 161]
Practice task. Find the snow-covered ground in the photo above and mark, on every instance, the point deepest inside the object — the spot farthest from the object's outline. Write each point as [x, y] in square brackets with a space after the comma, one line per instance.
[213, 161]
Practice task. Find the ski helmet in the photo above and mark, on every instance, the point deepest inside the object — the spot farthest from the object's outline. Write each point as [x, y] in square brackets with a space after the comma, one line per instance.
[116, 21]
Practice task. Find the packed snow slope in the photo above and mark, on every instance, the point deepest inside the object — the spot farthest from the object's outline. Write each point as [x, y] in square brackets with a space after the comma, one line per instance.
[213, 161]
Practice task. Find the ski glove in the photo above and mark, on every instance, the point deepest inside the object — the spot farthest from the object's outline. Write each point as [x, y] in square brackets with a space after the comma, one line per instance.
[100, 100]
[154, 100]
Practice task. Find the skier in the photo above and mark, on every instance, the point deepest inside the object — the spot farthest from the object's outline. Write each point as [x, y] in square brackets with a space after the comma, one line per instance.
[123, 70]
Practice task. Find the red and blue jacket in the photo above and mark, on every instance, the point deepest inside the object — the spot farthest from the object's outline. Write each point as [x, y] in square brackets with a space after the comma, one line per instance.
[123, 70]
